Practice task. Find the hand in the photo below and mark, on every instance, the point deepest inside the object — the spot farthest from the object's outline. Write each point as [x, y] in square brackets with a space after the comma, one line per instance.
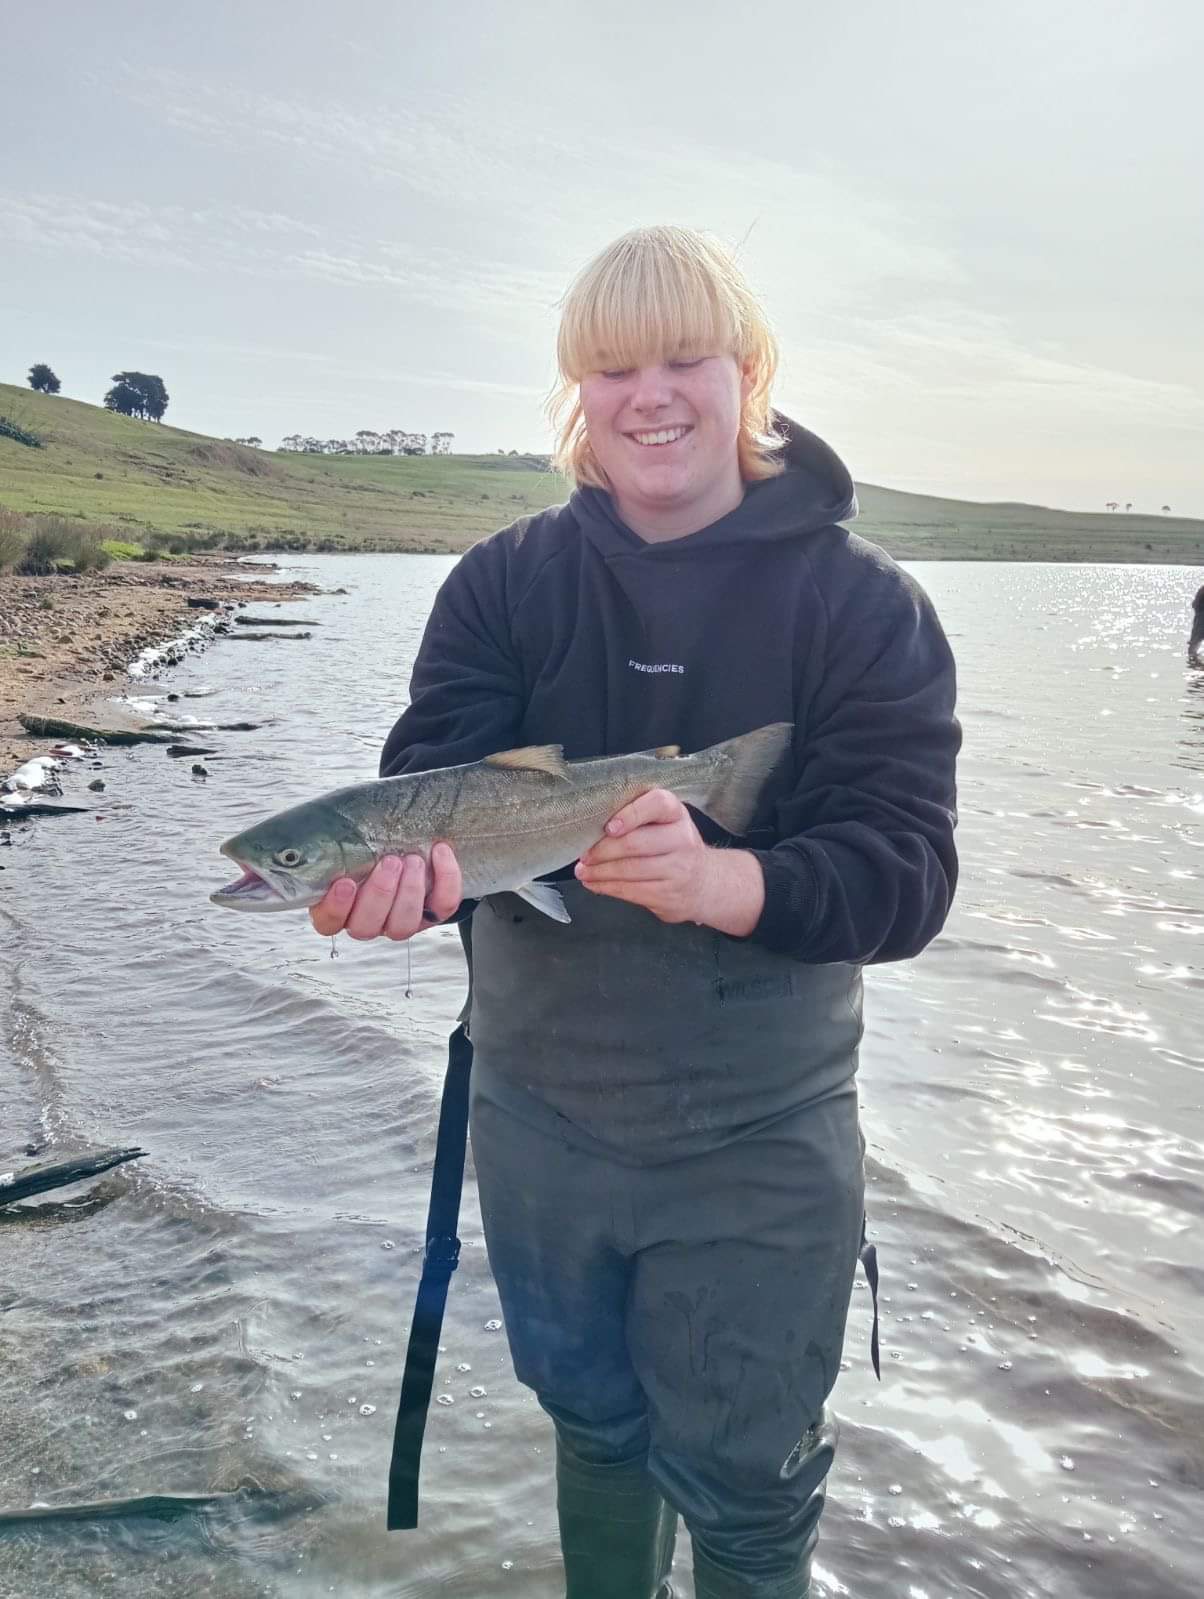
[393, 901]
[654, 856]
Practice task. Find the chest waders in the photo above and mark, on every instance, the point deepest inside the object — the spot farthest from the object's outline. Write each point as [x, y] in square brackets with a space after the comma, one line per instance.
[666, 1143]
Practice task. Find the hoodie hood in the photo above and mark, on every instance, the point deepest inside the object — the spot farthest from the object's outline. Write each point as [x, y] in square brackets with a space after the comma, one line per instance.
[813, 492]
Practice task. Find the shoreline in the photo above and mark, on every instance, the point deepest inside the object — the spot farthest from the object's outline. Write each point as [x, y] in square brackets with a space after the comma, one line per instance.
[66, 642]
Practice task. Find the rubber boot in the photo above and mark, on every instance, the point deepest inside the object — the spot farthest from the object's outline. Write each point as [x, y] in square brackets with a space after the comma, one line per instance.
[616, 1532]
[807, 1468]
[712, 1583]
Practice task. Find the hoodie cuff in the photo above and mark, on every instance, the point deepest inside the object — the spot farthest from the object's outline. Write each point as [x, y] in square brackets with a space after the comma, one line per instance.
[791, 901]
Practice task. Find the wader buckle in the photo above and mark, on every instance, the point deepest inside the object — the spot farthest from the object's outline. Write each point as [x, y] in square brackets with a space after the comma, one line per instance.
[442, 1255]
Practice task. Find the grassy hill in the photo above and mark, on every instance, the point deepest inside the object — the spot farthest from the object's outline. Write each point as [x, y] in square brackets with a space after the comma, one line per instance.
[141, 477]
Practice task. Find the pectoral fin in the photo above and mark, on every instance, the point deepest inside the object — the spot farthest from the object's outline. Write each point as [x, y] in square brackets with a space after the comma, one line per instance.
[545, 898]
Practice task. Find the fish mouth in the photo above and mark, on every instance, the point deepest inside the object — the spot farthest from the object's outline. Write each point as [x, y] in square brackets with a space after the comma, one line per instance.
[250, 892]
[256, 891]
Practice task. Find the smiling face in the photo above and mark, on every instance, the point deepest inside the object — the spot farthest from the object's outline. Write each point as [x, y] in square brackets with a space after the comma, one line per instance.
[661, 333]
[665, 436]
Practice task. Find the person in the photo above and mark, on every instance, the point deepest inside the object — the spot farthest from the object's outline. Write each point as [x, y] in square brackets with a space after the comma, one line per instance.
[664, 1105]
[1196, 640]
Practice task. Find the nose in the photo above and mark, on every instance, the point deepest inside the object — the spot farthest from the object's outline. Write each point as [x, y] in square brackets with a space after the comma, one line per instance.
[651, 390]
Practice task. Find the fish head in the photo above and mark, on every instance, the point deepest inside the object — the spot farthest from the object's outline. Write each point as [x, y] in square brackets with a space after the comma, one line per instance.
[291, 859]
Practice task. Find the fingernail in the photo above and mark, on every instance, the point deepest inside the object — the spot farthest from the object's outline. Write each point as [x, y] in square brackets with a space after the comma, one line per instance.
[614, 827]
[393, 868]
[579, 869]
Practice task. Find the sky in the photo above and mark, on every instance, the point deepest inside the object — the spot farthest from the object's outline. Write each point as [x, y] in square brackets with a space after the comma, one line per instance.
[977, 230]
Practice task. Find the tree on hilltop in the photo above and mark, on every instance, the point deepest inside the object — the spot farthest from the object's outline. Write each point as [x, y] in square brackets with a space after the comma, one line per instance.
[137, 394]
[43, 379]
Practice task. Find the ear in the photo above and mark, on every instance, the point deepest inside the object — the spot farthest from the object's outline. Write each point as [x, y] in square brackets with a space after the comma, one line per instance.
[748, 378]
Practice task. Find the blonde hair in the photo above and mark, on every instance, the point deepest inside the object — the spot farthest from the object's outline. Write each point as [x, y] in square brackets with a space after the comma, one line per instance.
[661, 294]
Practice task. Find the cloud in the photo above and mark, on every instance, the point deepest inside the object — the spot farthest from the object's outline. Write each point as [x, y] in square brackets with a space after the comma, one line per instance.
[272, 245]
[486, 159]
[960, 354]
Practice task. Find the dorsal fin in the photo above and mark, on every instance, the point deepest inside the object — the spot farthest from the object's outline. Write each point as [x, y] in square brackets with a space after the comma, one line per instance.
[667, 752]
[546, 758]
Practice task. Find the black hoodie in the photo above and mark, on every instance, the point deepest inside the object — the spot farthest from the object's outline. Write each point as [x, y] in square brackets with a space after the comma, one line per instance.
[567, 628]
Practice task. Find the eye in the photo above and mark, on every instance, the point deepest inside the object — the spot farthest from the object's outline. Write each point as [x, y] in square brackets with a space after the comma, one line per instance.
[288, 857]
[684, 365]
[614, 376]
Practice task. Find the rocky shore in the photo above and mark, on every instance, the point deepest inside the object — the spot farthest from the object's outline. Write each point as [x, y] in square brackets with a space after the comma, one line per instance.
[65, 642]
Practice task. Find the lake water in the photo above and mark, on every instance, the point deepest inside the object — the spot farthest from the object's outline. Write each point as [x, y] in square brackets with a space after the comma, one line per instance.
[1032, 1098]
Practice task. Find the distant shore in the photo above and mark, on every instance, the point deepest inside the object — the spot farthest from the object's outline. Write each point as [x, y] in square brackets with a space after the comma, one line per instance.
[65, 642]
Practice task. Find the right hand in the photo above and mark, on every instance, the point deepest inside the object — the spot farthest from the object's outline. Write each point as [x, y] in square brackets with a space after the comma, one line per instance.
[391, 900]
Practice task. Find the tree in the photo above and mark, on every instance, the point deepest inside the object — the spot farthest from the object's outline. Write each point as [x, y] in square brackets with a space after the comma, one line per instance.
[138, 394]
[1112, 505]
[43, 379]
[1166, 508]
[1128, 505]
[441, 443]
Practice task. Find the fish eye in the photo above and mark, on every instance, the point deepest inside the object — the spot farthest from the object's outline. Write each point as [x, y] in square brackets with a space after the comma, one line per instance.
[288, 857]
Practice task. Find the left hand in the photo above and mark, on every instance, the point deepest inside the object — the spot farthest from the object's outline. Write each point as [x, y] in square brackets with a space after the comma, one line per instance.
[654, 856]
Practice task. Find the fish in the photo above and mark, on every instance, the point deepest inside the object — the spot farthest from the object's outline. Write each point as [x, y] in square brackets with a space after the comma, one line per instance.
[511, 818]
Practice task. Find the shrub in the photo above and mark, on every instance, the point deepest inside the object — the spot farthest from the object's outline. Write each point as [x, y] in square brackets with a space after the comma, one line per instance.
[11, 429]
[12, 538]
[54, 544]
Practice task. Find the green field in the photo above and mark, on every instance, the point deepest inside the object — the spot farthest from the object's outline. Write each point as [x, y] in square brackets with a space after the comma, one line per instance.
[141, 477]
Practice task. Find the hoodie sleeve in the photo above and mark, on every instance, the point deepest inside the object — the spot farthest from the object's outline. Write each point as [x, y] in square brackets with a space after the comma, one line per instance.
[466, 688]
[865, 867]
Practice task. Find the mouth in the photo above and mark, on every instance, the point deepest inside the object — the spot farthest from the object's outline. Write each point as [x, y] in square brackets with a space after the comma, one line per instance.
[660, 438]
[250, 892]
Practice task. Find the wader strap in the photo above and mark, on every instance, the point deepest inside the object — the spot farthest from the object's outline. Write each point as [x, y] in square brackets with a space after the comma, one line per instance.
[868, 1254]
[440, 1260]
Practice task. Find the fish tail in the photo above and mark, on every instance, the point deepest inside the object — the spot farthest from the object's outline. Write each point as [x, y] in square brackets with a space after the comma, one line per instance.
[742, 765]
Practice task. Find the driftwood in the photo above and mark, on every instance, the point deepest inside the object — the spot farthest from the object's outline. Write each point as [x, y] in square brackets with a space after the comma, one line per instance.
[164, 1507]
[275, 621]
[54, 727]
[291, 1498]
[57, 1174]
[190, 749]
[262, 638]
[35, 807]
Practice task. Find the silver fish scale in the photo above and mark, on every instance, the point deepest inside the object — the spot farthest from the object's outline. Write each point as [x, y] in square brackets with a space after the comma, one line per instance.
[509, 825]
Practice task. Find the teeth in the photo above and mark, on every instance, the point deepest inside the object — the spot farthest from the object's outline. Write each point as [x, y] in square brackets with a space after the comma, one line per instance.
[669, 436]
